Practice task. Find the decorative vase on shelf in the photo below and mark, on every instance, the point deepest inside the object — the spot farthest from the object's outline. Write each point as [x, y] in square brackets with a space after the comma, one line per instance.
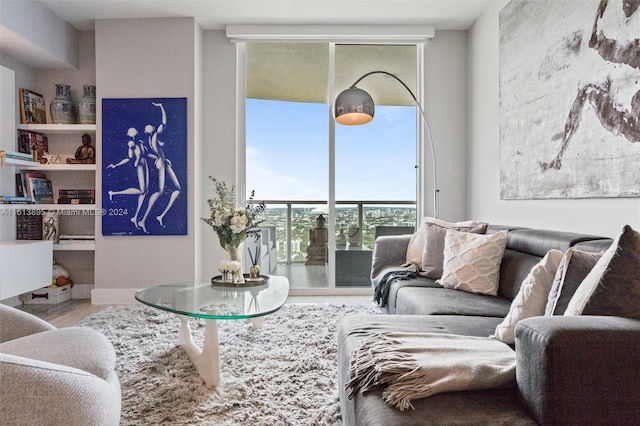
[62, 108]
[51, 226]
[87, 105]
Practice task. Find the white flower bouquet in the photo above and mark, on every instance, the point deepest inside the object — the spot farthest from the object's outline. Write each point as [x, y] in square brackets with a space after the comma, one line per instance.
[232, 224]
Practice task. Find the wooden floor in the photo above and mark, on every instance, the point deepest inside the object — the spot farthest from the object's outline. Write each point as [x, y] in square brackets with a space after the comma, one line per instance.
[71, 312]
[63, 314]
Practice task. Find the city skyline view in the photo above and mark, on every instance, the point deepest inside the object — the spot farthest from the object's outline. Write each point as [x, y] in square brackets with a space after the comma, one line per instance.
[304, 218]
[288, 153]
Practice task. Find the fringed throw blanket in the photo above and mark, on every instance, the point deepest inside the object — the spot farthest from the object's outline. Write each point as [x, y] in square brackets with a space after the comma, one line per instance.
[417, 365]
[381, 293]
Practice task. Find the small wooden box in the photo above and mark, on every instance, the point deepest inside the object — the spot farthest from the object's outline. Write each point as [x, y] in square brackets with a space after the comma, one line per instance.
[49, 296]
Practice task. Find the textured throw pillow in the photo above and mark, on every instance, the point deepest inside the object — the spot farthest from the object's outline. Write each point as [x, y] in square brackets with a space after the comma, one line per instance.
[433, 252]
[472, 261]
[574, 267]
[531, 300]
[613, 285]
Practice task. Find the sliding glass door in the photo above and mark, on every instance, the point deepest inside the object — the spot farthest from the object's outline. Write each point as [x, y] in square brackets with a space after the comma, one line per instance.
[296, 160]
[375, 164]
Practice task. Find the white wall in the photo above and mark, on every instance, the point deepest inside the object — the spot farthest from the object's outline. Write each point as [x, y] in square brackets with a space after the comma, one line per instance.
[219, 135]
[445, 104]
[35, 33]
[139, 58]
[46, 79]
[597, 216]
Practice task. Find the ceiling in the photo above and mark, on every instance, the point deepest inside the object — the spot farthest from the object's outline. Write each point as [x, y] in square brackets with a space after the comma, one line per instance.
[215, 14]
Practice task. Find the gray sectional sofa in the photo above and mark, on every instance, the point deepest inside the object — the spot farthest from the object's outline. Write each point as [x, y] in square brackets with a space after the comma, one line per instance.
[569, 369]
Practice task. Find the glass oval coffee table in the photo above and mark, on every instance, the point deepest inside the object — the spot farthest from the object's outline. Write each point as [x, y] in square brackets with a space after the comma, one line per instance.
[201, 299]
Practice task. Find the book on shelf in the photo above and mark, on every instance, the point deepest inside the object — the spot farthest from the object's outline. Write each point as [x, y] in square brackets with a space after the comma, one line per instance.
[11, 199]
[76, 239]
[77, 242]
[77, 193]
[22, 142]
[19, 185]
[27, 142]
[41, 190]
[28, 225]
[24, 187]
[76, 200]
[17, 156]
[32, 107]
[82, 237]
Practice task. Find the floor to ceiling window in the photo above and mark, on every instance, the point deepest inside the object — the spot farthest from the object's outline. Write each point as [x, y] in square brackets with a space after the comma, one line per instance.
[289, 156]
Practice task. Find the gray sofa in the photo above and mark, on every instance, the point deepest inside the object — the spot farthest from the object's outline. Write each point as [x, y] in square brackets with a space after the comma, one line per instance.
[52, 376]
[569, 370]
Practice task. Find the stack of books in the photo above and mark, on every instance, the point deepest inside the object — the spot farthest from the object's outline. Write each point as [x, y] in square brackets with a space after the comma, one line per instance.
[76, 196]
[10, 199]
[76, 239]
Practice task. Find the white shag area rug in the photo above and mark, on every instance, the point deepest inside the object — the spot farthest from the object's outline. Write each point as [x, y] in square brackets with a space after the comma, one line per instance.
[285, 373]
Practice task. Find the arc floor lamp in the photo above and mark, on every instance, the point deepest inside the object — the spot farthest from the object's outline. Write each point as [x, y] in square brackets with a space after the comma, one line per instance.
[355, 106]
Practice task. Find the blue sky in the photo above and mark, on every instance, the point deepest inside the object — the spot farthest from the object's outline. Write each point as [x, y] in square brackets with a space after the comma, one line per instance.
[287, 153]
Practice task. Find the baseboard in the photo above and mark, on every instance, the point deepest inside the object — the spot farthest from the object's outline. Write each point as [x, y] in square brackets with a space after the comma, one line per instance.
[81, 291]
[113, 296]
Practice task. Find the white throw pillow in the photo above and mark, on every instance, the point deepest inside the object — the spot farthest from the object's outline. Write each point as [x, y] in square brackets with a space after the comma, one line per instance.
[472, 261]
[531, 300]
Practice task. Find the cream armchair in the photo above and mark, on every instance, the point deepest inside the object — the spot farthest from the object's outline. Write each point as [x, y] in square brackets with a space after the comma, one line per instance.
[53, 376]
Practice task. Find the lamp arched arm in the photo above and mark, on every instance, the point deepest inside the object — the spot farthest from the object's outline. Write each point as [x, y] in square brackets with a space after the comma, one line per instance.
[436, 191]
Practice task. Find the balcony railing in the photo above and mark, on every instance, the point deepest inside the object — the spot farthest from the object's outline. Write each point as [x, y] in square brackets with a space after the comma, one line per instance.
[294, 219]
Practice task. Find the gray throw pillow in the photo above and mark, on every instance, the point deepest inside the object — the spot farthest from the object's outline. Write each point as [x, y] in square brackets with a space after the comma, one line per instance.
[433, 252]
[612, 287]
[573, 269]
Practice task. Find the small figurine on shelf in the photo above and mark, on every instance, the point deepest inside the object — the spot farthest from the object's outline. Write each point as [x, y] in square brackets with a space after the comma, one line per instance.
[85, 154]
[51, 158]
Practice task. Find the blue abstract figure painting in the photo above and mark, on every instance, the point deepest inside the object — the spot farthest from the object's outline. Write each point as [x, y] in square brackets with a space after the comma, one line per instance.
[144, 166]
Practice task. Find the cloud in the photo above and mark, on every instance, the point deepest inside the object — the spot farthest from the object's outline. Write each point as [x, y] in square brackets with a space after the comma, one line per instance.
[272, 182]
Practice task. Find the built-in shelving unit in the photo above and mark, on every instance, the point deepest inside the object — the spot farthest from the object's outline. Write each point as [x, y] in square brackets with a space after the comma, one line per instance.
[78, 257]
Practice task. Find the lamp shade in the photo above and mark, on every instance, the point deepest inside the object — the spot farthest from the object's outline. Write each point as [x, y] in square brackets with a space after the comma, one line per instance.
[353, 107]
